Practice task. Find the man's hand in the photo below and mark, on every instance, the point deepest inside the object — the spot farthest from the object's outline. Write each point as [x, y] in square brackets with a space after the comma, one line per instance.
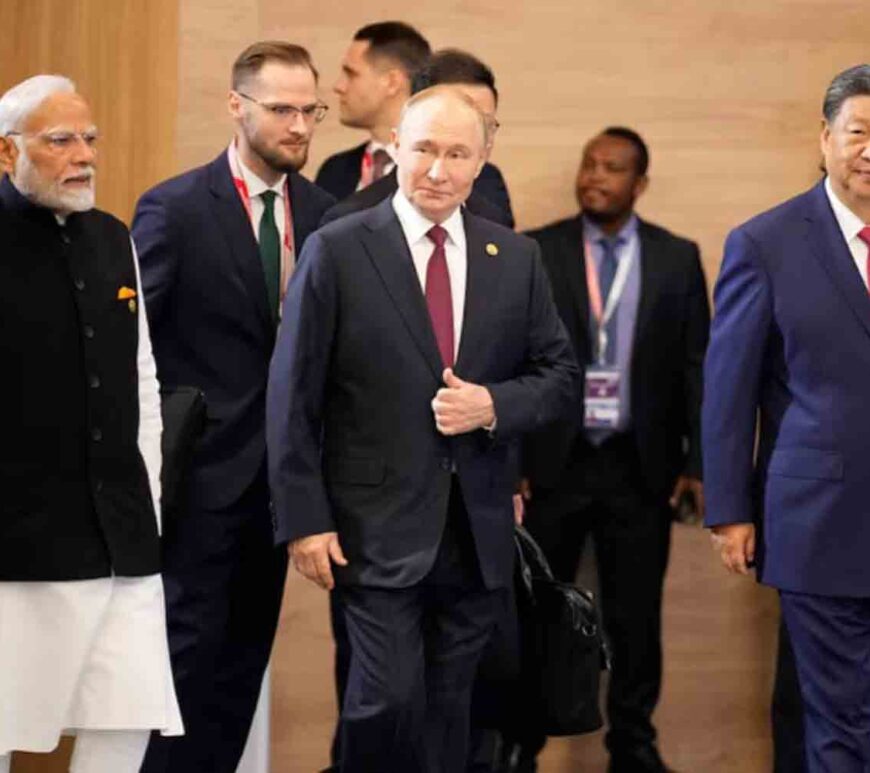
[735, 544]
[461, 407]
[694, 487]
[311, 557]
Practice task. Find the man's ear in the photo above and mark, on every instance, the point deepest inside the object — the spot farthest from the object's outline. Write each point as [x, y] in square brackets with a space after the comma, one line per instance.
[234, 105]
[640, 186]
[8, 155]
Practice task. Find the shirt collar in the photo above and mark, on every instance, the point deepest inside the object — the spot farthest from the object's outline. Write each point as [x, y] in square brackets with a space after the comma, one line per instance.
[594, 233]
[416, 226]
[255, 185]
[389, 148]
[850, 224]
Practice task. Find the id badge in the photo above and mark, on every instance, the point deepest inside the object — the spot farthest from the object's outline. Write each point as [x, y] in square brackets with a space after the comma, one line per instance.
[601, 399]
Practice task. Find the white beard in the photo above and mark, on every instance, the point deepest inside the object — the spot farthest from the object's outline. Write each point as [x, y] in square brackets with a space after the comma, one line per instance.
[49, 193]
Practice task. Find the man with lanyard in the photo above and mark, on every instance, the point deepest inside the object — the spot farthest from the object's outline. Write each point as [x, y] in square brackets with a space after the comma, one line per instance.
[82, 621]
[374, 83]
[633, 298]
[217, 247]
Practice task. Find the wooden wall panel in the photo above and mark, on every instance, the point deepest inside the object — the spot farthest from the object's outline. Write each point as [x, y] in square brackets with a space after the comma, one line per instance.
[123, 55]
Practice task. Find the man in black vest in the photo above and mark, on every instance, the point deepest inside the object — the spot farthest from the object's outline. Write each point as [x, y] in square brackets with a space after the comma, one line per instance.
[82, 631]
[218, 245]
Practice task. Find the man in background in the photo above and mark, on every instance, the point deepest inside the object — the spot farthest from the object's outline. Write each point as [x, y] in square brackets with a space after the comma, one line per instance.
[218, 245]
[786, 427]
[489, 196]
[633, 298]
[375, 82]
[82, 620]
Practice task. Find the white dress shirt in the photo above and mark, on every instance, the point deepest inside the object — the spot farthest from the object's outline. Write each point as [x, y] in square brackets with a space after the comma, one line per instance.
[256, 186]
[415, 227]
[850, 226]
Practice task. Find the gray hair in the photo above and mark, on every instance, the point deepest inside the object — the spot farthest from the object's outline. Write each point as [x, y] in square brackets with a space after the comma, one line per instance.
[854, 82]
[21, 100]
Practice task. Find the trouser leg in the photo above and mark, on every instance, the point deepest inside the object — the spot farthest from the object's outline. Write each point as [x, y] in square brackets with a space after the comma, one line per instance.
[108, 751]
[831, 641]
[787, 711]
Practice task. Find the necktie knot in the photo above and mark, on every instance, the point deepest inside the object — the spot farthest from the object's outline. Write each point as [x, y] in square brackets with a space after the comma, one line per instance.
[268, 198]
[437, 235]
[864, 235]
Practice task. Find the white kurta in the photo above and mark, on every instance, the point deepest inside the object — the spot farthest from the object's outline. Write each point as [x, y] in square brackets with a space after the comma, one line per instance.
[90, 654]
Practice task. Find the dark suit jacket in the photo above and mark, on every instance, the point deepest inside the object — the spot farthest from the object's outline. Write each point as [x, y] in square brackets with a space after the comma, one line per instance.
[790, 345]
[339, 174]
[352, 440]
[207, 307]
[670, 339]
[385, 187]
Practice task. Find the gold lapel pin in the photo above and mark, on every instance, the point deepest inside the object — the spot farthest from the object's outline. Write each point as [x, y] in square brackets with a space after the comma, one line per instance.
[132, 306]
[491, 249]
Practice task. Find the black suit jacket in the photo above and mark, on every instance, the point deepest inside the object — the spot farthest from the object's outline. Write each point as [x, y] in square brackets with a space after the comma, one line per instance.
[207, 307]
[339, 174]
[352, 440]
[670, 339]
[385, 187]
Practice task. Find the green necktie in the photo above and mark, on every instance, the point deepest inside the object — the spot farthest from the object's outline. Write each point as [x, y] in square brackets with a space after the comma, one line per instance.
[270, 251]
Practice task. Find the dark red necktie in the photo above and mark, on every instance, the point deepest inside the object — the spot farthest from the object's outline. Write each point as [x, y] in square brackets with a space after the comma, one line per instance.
[438, 297]
[864, 236]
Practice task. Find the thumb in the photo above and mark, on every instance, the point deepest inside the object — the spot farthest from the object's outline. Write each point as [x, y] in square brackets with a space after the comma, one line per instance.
[336, 553]
[451, 379]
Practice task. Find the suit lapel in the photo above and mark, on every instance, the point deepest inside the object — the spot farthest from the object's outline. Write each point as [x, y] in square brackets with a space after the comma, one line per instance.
[828, 246]
[385, 244]
[651, 281]
[236, 226]
[481, 286]
[305, 217]
[574, 268]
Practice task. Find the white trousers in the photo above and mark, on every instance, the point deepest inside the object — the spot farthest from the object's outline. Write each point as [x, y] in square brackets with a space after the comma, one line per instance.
[103, 751]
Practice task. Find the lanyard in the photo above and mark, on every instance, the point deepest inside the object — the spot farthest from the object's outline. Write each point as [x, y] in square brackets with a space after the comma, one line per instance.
[603, 316]
[245, 196]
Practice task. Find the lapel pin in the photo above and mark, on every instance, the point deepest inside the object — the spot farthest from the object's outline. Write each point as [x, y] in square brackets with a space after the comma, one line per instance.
[126, 292]
[491, 249]
[132, 306]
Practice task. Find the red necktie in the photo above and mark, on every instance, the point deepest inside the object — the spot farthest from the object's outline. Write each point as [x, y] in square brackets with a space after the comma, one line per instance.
[438, 297]
[864, 236]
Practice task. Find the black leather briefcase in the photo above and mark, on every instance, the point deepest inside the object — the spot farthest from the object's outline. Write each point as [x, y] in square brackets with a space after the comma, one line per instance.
[183, 410]
[562, 648]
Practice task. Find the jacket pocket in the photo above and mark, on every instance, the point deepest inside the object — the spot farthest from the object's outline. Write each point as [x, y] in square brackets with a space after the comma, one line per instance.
[356, 470]
[806, 463]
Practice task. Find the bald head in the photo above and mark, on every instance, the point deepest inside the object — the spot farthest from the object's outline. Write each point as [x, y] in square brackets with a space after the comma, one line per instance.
[440, 150]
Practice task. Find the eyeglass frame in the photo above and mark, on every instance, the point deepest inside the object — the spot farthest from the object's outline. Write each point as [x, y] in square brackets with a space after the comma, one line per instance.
[319, 109]
[61, 141]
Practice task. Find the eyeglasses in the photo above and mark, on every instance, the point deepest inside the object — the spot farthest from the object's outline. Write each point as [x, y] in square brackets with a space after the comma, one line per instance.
[62, 142]
[313, 113]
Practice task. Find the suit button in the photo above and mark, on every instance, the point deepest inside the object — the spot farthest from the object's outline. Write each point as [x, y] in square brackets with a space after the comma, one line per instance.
[97, 434]
[94, 381]
[64, 237]
[88, 331]
[447, 464]
[79, 283]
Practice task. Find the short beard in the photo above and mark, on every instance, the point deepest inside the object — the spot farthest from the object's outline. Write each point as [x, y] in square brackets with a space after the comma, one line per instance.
[48, 193]
[272, 158]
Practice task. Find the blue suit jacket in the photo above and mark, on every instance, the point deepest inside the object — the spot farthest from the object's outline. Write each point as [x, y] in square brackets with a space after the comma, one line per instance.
[352, 440]
[790, 341]
[205, 294]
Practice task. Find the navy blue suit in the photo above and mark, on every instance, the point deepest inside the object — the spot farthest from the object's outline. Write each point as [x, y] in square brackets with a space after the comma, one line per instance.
[791, 343]
[339, 175]
[211, 328]
[424, 520]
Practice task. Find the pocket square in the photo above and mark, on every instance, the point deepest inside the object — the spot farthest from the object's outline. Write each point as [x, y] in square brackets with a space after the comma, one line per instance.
[125, 293]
